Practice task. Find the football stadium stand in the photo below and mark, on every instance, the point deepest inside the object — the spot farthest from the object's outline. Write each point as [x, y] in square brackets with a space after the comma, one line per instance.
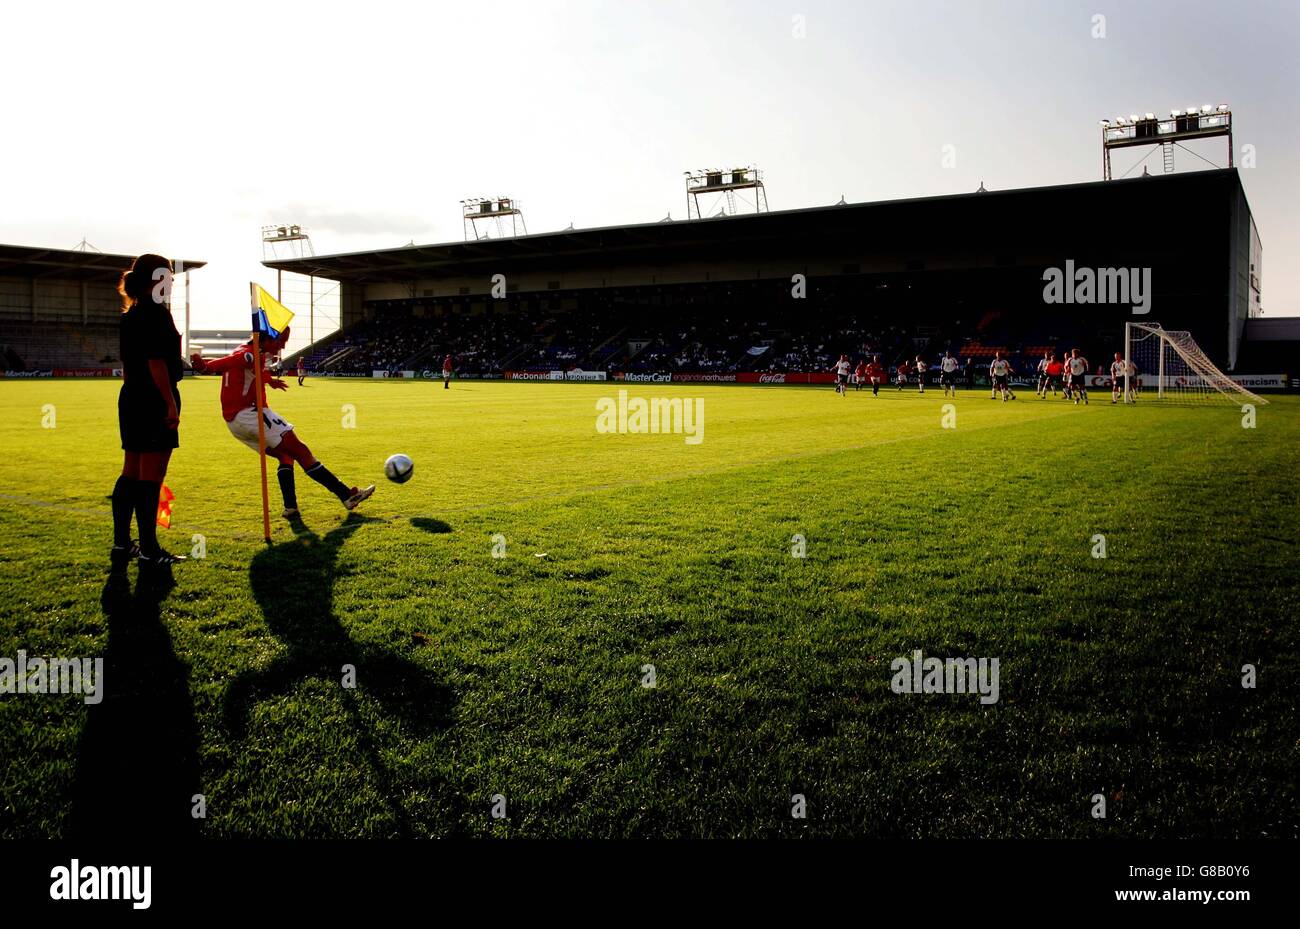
[789, 291]
[59, 309]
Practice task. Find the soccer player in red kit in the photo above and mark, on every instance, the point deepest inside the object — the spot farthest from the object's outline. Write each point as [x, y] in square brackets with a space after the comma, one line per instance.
[875, 374]
[860, 375]
[446, 373]
[302, 371]
[239, 408]
[1054, 371]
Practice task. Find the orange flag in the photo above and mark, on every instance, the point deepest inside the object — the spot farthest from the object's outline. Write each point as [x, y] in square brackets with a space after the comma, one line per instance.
[165, 498]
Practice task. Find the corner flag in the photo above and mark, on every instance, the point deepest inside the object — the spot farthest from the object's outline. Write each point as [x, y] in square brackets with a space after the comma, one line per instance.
[165, 498]
[270, 316]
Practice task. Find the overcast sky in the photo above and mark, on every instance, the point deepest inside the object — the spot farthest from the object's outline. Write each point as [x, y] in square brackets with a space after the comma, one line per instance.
[184, 129]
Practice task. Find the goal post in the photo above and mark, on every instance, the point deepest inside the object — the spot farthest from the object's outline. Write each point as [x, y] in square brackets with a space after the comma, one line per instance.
[1167, 365]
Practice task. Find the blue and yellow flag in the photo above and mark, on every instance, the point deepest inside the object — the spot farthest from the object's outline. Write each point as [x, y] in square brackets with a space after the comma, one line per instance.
[270, 317]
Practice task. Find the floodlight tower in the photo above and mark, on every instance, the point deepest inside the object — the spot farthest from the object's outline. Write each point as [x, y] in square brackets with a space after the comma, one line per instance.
[289, 242]
[285, 241]
[1182, 125]
[725, 191]
[495, 211]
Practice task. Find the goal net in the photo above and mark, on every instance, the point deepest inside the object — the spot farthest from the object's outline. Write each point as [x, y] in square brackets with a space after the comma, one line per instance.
[1167, 365]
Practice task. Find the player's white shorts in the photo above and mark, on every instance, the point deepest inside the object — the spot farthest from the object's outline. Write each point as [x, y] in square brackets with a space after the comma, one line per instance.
[244, 427]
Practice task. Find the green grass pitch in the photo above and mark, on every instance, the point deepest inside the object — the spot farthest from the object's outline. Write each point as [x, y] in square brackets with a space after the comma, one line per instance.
[522, 676]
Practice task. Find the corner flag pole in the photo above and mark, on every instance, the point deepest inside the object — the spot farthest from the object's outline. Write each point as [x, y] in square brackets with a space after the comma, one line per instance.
[260, 400]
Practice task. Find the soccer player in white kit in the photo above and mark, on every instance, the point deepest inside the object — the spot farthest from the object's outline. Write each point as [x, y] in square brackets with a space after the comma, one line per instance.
[1000, 372]
[1077, 367]
[1117, 369]
[920, 374]
[1042, 373]
[948, 374]
[842, 368]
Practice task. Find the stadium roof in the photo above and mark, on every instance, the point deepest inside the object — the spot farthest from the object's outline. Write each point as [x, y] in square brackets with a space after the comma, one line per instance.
[68, 264]
[697, 238]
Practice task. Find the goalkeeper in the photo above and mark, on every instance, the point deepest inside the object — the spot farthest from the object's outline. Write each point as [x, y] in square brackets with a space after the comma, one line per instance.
[239, 408]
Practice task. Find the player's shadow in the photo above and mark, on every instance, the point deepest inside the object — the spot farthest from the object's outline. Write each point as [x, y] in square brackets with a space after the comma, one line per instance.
[138, 759]
[293, 583]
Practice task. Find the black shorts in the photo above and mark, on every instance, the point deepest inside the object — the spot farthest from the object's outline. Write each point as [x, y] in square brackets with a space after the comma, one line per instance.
[841, 378]
[948, 378]
[140, 413]
[999, 380]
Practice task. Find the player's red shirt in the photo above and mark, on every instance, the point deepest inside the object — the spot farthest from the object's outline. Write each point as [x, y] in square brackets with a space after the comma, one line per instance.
[302, 369]
[236, 371]
[446, 363]
[1054, 368]
[861, 370]
[875, 371]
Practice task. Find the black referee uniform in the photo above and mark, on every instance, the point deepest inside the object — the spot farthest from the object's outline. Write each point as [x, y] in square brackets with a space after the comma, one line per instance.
[148, 333]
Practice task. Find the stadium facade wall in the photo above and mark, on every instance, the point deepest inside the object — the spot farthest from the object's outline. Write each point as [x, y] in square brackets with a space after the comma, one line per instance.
[54, 300]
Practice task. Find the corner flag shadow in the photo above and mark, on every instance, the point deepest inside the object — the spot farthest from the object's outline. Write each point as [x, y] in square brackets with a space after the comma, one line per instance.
[137, 762]
[293, 583]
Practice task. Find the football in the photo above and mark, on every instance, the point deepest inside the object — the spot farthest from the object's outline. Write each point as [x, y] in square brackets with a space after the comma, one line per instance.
[399, 468]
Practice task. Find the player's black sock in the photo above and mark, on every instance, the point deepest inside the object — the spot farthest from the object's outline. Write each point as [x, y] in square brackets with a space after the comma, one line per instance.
[123, 507]
[146, 514]
[321, 475]
[284, 474]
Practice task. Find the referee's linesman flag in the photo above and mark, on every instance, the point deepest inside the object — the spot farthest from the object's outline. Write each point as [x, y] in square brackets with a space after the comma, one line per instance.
[270, 317]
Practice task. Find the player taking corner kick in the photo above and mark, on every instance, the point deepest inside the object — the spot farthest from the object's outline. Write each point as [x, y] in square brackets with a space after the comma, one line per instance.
[239, 408]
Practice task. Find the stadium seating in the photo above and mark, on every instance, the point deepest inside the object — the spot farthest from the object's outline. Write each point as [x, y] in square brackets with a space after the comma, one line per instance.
[43, 346]
[614, 337]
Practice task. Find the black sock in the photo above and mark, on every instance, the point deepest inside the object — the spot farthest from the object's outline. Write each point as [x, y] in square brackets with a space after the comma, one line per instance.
[123, 506]
[321, 475]
[284, 474]
[146, 514]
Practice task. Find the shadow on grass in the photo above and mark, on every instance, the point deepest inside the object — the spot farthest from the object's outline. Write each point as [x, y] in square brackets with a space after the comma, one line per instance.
[137, 762]
[293, 584]
[426, 524]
